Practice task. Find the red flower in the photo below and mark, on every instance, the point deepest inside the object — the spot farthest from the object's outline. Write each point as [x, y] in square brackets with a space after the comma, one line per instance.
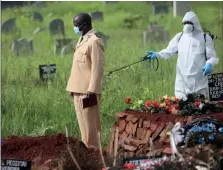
[196, 104]
[129, 166]
[155, 104]
[175, 106]
[127, 100]
[147, 103]
[167, 102]
[177, 100]
[170, 109]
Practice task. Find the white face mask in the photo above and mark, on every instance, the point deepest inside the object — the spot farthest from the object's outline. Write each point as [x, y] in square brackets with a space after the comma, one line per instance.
[188, 28]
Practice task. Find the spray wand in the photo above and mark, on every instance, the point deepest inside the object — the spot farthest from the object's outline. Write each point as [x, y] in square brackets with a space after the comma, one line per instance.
[143, 59]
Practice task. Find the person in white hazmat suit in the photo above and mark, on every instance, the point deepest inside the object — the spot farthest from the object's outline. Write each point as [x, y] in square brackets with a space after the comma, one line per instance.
[196, 57]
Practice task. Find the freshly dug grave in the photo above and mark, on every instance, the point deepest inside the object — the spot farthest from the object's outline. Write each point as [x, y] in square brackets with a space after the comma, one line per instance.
[135, 129]
[51, 147]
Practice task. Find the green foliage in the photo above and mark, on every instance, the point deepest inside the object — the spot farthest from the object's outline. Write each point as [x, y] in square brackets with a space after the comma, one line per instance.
[27, 103]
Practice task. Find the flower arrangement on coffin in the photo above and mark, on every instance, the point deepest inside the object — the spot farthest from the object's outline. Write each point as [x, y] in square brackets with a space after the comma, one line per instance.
[194, 105]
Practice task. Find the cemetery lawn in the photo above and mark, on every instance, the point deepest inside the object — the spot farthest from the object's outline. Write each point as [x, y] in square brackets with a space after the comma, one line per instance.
[30, 107]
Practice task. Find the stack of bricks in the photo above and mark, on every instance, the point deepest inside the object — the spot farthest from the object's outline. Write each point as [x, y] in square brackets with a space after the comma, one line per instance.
[136, 130]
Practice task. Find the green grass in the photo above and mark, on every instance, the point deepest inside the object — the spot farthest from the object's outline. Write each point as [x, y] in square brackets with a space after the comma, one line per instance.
[28, 105]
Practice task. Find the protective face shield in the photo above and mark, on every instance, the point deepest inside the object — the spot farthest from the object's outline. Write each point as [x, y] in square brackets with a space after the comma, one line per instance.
[188, 28]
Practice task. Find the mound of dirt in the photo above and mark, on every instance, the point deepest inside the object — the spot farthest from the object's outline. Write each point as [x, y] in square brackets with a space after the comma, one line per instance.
[51, 147]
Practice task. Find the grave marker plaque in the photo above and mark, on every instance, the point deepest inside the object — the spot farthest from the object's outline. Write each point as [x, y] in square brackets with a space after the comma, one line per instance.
[22, 46]
[181, 7]
[47, 71]
[37, 16]
[13, 164]
[157, 9]
[56, 26]
[215, 84]
[139, 160]
[8, 26]
[97, 15]
[60, 43]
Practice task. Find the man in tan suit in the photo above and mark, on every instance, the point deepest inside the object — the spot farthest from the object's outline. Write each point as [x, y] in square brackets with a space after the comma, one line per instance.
[86, 78]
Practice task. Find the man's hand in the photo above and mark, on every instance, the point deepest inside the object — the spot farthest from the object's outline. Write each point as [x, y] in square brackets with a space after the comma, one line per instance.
[90, 93]
[151, 55]
[207, 69]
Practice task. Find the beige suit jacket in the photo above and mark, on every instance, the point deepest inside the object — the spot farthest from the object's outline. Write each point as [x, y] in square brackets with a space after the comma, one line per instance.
[88, 65]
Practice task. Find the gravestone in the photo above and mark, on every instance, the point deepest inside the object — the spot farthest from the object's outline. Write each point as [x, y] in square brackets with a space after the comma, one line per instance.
[47, 71]
[37, 16]
[215, 84]
[103, 37]
[97, 16]
[155, 34]
[111, 2]
[22, 46]
[167, 3]
[36, 31]
[8, 26]
[56, 26]
[39, 4]
[180, 8]
[157, 9]
[67, 49]
[60, 43]
[15, 164]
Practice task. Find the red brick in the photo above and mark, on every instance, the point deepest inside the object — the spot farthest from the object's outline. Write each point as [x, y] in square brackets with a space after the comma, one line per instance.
[140, 122]
[121, 114]
[136, 142]
[130, 148]
[146, 138]
[129, 117]
[158, 131]
[121, 126]
[123, 135]
[140, 133]
[129, 127]
[135, 119]
[134, 128]
[153, 126]
[167, 150]
[140, 151]
[127, 141]
[146, 123]
[156, 152]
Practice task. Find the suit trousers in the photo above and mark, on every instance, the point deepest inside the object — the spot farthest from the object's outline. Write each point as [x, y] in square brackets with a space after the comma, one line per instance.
[89, 122]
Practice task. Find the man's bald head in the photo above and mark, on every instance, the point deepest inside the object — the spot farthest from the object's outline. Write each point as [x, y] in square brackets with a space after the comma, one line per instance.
[82, 19]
